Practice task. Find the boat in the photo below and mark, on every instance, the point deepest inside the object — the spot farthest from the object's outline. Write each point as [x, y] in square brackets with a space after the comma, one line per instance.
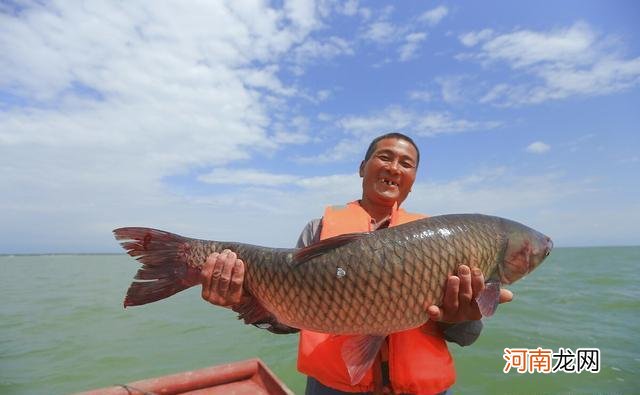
[248, 377]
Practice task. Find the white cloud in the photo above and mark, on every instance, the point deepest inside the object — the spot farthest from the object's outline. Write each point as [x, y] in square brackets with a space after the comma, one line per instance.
[323, 94]
[629, 160]
[116, 101]
[478, 193]
[564, 62]
[270, 215]
[407, 36]
[336, 181]
[550, 205]
[573, 45]
[434, 16]
[246, 177]
[302, 13]
[555, 204]
[420, 95]
[59, 43]
[391, 118]
[267, 182]
[412, 42]
[438, 123]
[311, 50]
[362, 129]
[602, 77]
[265, 78]
[350, 7]
[416, 37]
[538, 147]
[381, 32]
[423, 124]
[472, 38]
[454, 89]
[340, 150]
[365, 13]
[291, 138]
[295, 131]
[118, 108]
[324, 117]
[582, 141]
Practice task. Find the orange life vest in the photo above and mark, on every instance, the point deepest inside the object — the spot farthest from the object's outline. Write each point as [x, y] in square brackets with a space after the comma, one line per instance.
[419, 360]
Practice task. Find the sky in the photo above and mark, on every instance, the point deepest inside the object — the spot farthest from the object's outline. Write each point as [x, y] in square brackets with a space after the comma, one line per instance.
[242, 120]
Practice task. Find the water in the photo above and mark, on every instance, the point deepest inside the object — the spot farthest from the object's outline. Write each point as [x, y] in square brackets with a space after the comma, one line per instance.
[63, 329]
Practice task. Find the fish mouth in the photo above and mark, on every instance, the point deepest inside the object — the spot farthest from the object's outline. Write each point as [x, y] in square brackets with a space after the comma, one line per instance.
[548, 247]
[542, 251]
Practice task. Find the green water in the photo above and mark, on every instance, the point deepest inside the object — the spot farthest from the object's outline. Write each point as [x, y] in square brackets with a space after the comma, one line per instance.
[62, 327]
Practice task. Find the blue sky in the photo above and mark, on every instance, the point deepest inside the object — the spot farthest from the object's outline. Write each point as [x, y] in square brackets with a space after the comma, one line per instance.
[242, 120]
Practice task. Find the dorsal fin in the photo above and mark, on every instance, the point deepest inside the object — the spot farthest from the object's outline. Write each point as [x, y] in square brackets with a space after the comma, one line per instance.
[326, 245]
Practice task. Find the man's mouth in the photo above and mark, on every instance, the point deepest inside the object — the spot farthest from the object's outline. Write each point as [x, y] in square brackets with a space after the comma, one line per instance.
[389, 182]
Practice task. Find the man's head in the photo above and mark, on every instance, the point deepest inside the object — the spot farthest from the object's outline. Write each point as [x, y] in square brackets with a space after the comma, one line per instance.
[374, 142]
[389, 168]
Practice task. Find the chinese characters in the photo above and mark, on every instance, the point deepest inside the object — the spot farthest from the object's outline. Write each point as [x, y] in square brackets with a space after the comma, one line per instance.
[543, 360]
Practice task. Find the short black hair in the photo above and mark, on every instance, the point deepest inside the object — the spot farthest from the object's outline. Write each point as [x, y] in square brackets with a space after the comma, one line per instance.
[392, 135]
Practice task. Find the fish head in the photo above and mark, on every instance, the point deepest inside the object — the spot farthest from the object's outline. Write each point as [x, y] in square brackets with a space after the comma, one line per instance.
[525, 250]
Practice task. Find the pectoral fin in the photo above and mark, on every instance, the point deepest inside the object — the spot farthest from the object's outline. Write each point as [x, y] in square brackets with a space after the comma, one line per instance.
[489, 298]
[359, 353]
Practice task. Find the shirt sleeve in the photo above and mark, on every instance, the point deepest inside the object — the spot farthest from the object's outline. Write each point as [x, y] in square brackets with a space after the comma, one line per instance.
[310, 234]
[463, 333]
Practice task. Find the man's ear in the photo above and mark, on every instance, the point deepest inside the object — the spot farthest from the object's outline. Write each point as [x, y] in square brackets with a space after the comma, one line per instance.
[361, 172]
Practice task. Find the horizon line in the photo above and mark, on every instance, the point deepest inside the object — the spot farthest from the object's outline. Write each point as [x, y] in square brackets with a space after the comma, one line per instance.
[124, 253]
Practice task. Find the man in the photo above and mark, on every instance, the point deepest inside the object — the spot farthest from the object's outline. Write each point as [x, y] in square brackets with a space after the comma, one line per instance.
[414, 361]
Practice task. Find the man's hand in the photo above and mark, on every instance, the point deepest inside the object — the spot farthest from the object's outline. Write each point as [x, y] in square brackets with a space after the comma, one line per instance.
[460, 297]
[222, 277]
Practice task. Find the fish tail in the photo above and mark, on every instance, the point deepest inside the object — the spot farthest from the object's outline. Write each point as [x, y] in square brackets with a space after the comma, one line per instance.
[165, 269]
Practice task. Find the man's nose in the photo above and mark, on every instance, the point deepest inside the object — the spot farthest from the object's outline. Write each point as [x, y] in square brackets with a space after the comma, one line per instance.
[394, 166]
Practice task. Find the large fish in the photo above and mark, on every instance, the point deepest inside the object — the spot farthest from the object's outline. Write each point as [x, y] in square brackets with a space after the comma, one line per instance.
[364, 284]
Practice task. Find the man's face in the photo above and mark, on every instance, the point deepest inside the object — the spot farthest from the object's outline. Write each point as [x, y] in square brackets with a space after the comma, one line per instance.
[389, 173]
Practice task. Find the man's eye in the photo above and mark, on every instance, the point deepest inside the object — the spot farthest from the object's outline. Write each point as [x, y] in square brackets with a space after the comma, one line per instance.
[384, 158]
[408, 165]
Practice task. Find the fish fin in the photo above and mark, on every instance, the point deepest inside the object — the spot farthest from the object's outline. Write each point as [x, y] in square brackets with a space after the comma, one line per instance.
[489, 298]
[164, 270]
[326, 245]
[253, 312]
[359, 353]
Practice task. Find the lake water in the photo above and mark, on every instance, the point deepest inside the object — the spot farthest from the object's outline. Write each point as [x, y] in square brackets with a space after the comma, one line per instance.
[63, 328]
